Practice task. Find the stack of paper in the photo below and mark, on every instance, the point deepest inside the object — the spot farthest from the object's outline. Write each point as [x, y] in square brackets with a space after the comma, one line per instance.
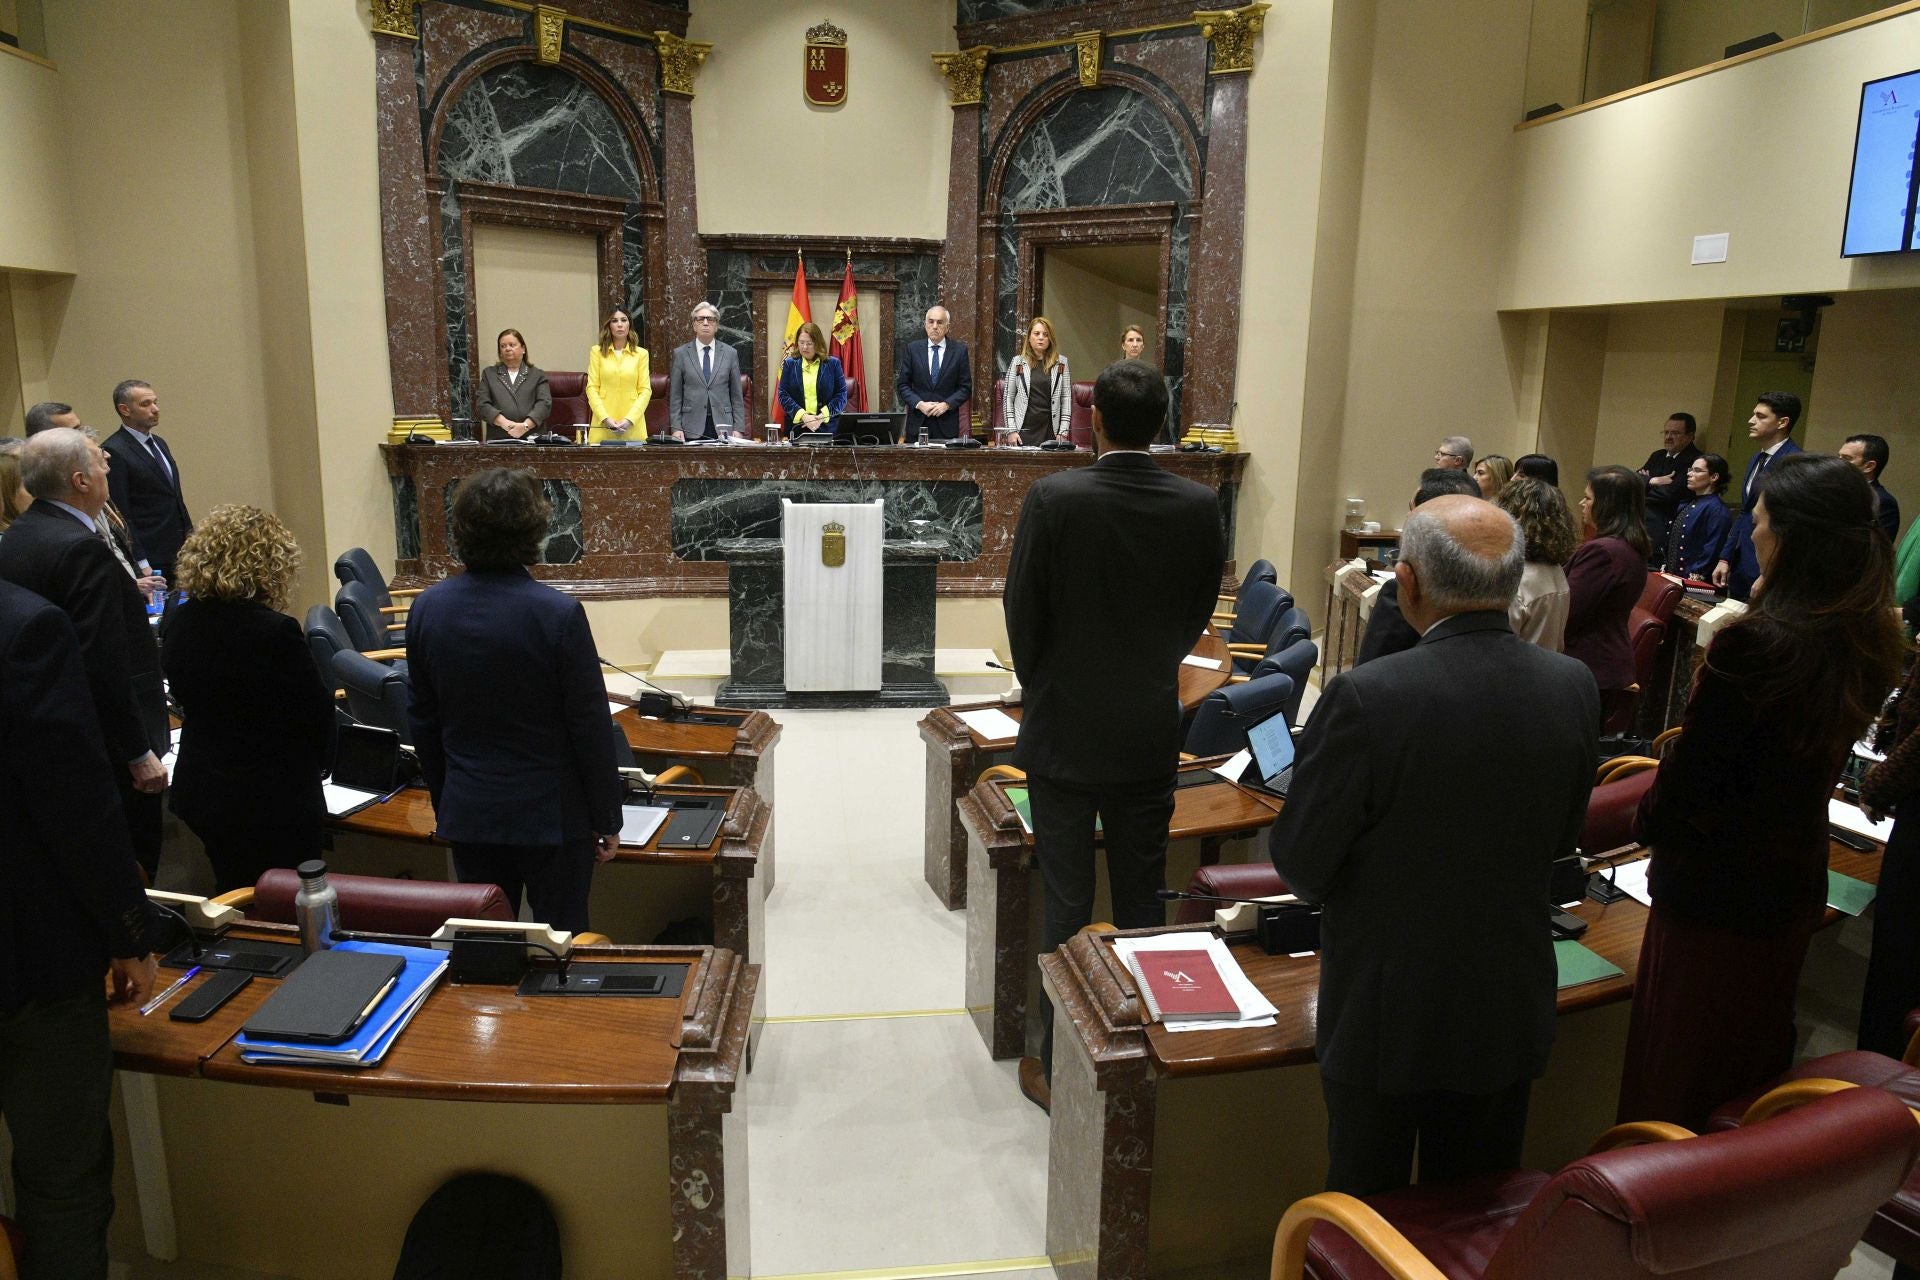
[342, 801]
[990, 723]
[638, 822]
[369, 1043]
[1631, 878]
[1849, 818]
[1255, 1009]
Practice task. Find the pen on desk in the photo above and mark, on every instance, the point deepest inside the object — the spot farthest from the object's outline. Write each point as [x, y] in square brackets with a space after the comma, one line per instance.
[391, 794]
[161, 999]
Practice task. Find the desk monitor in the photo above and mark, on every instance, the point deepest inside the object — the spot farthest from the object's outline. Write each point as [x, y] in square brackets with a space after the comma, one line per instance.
[868, 428]
[1271, 741]
[366, 758]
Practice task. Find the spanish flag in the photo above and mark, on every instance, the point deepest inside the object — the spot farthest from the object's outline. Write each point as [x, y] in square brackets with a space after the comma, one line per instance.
[844, 342]
[799, 312]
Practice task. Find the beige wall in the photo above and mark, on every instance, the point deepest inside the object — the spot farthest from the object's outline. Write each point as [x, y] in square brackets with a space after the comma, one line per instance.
[1867, 380]
[1659, 360]
[36, 231]
[1088, 309]
[1692, 33]
[544, 283]
[1607, 202]
[1556, 53]
[770, 161]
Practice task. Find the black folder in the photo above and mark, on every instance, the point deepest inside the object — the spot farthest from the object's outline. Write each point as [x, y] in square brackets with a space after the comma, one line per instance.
[326, 997]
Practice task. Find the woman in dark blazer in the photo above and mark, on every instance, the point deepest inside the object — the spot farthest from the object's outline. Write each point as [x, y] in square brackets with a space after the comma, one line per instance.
[257, 721]
[1737, 816]
[514, 396]
[813, 390]
[1700, 521]
[1606, 575]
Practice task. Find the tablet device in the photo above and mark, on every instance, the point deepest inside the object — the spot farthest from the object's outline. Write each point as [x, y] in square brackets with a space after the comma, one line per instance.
[366, 758]
[1271, 741]
[326, 998]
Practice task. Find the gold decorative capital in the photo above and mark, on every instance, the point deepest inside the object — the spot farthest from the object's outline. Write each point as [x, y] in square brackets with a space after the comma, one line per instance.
[549, 26]
[1231, 32]
[679, 61]
[826, 33]
[394, 18]
[965, 71]
[1086, 47]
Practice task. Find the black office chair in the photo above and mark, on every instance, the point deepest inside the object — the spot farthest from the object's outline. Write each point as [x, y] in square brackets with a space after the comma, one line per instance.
[1296, 662]
[376, 693]
[1220, 723]
[1286, 626]
[390, 604]
[1256, 610]
[1258, 571]
[366, 626]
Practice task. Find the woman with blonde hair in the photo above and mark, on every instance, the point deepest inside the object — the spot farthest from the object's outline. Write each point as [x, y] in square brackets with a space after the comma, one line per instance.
[1539, 609]
[1036, 399]
[619, 382]
[1491, 473]
[257, 720]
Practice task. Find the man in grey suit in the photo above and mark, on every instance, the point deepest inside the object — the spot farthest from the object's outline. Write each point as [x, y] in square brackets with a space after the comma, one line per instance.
[1437, 976]
[703, 390]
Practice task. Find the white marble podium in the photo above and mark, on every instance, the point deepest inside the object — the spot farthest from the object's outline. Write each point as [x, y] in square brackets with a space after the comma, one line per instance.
[834, 612]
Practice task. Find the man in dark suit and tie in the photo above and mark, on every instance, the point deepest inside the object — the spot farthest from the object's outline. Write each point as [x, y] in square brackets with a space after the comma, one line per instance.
[1869, 455]
[57, 549]
[1114, 573]
[74, 912]
[1437, 975]
[49, 414]
[508, 711]
[1773, 418]
[934, 380]
[1665, 472]
[145, 479]
[703, 388]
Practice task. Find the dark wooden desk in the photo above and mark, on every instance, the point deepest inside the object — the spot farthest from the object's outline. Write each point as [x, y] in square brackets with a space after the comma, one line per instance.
[654, 1083]
[727, 871]
[1004, 906]
[738, 753]
[956, 755]
[1146, 1124]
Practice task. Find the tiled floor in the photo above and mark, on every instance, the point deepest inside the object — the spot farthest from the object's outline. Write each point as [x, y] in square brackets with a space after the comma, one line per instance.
[891, 1144]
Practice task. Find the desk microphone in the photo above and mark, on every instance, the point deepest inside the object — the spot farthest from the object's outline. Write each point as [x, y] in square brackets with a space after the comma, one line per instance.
[193, 938]
[997, 667]
[1281, 928]
[1180, 895]
[673, 706]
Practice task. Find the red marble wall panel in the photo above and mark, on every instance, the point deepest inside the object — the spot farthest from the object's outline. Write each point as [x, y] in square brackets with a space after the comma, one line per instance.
[1180, 61]
[635, 66]
[450, 32]
[1010, 81]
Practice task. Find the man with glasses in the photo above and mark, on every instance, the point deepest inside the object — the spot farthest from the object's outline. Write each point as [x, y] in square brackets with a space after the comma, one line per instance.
[1454, 454]
[703, 389]
[934, 381]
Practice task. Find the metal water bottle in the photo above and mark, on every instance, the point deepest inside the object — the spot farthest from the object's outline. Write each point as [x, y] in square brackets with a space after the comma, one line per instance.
[316, 907]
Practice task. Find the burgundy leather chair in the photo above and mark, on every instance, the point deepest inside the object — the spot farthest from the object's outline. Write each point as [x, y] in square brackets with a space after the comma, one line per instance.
[1646, 631]
[1228, 880]
[570, 413]
[1610, 811]
[1785, 1198]
[657, 408]
[1895, 1229]
[376, 904]
[1080, 421]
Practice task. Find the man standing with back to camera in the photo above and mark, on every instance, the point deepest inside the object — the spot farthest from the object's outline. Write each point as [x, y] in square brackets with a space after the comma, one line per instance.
[1114, 573]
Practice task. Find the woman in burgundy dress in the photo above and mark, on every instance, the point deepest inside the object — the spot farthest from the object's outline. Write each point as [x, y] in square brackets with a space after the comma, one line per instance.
[1737, 816]
[1606, 576]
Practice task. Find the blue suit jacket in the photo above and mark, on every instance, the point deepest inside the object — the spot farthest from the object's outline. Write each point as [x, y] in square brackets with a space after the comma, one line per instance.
[509, 713]
[829, 384]
[913, 383]
[1743, 566]
[1702, 524]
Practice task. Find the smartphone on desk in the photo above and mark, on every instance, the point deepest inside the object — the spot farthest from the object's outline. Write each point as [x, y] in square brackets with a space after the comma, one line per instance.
[202, 1002]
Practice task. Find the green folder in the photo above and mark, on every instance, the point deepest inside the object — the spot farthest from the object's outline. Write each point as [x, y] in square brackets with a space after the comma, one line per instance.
[1023, 805]
[1579, 966]
[1845, 894]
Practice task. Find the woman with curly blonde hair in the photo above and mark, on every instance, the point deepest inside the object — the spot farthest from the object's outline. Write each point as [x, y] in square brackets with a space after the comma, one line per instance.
[258, 720]
[1539, 609]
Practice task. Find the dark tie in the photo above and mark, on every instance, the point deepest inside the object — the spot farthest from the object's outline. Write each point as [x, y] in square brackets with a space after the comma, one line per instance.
[1753, 482]
[936, 363]
[154, 448]
[706, 363]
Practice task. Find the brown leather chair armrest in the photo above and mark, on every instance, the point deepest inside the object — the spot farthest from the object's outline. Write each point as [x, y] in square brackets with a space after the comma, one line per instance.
[383, 655]
[395, 608]
[1393, 1252]
[1636, 1132]
[679, 773]
[1666, 736]
[1622, 766]
[1794, 1093]
[400, 592]
[1006, 771]
[1247, 650]
[590, 939]
[239, 899]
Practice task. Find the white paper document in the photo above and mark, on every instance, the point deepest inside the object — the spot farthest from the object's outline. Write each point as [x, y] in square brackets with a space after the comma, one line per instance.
[344, 800]
[990, 723]
[615, 708]
[1205, 664]
[638, 822]
[1632, 877]
[1255, 1009]
[1234, 769]
[1848, 818]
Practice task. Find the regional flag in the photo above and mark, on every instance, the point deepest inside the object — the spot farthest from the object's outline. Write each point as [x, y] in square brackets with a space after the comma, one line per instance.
[844, 341]
[799, 312]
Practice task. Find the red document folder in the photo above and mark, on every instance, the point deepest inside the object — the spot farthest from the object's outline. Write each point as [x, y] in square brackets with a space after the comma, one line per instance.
[1183, 984]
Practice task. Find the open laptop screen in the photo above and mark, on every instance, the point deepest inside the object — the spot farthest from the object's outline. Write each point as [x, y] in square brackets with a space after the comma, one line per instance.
[1272, 744]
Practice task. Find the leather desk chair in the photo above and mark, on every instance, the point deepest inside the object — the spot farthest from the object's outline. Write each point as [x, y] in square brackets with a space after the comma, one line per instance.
[1647, 627]
[1080, 420]
[1611, 809]
[1257, 610]
[376, 692]
[1228, 880]
[662, 402]
[367, 628]
[355, 565]
[1291, 627]
[1895, 1229]
[1221, 721]
[1295, 662]
[1258, 571]
[1788, 1200]
[570, 412]
[374, 904]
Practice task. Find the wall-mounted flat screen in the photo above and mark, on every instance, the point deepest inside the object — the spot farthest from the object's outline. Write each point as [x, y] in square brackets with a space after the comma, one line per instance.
[1880, 205]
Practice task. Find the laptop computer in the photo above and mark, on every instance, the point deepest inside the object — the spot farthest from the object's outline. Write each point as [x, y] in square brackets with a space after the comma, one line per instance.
[1271, 742]
[868, 428]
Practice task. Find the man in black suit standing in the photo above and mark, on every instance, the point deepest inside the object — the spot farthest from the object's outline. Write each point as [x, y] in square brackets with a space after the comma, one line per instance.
[934, 380]
[1665, 472]
[74, 912]
[509, 713]
[1437, 981]
[52, 413]
[1770, 427]
[1387, 632]
[145, 480]
[1114, 573]
[58, 549]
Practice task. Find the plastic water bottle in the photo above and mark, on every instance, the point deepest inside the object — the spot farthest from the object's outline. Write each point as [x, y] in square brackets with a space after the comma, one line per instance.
[316, 907]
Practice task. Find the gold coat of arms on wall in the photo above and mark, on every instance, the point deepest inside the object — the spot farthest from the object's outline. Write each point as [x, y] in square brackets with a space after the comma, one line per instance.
[826, 78]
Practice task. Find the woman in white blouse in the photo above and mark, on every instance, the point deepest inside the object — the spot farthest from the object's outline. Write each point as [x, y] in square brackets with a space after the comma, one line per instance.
[1037, 398]
[1539, 609]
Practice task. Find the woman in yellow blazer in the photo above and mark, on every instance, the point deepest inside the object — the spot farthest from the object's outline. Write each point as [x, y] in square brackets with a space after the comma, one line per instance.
[619, 383]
